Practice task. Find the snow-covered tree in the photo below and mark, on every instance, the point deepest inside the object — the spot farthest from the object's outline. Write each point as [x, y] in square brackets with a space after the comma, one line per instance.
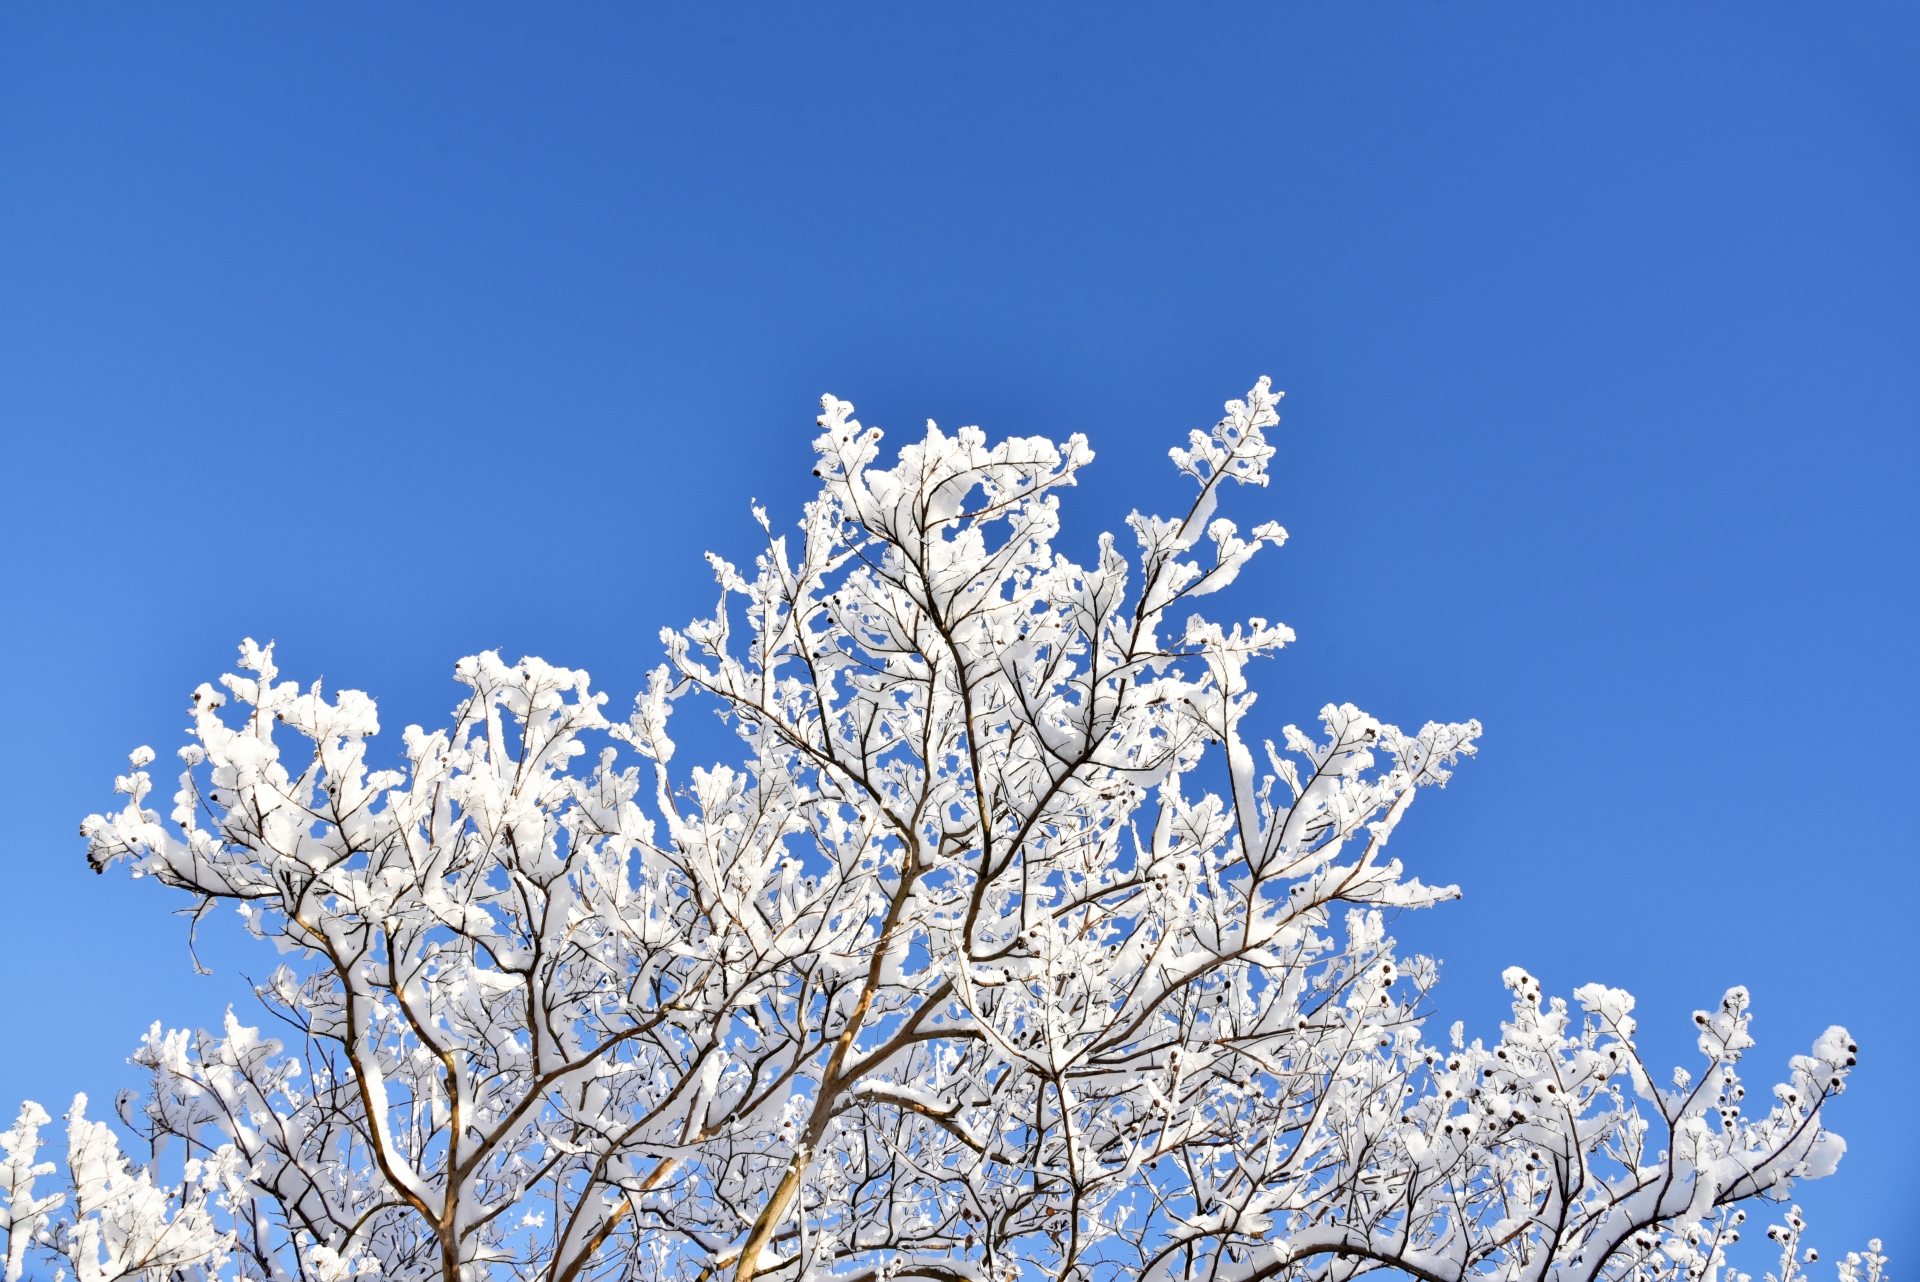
[1008, 951]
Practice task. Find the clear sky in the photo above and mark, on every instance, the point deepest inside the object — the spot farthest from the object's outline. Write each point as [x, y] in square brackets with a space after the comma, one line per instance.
[398, 333]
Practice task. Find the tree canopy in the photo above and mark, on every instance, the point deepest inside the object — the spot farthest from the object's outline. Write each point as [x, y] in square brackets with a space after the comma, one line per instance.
[1005, 950]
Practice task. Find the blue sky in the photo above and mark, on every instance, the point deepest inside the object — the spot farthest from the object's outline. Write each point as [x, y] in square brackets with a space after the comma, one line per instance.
[398, 334]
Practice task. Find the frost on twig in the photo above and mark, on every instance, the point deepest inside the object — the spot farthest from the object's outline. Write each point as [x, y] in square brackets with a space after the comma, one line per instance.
[111, 1220]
